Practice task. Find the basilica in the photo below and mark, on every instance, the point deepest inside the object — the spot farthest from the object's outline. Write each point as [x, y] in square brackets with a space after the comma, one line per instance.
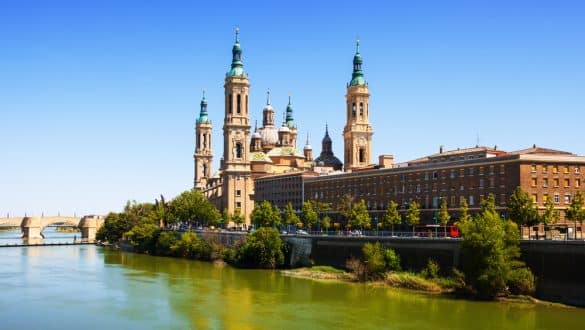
[272, 148]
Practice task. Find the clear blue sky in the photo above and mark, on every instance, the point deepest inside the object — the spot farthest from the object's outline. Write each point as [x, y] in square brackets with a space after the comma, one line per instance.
[98, 98]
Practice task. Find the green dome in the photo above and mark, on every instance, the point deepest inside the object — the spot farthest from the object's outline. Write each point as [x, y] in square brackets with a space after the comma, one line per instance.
[203, 113]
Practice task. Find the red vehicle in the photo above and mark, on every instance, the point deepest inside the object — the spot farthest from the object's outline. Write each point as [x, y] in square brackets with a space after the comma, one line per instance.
[437, 231]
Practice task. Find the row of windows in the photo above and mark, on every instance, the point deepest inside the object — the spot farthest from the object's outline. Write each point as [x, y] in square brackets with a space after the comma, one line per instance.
[555, 182]
[453, 201]
[238, 104]
[556, 198]
[555, 169]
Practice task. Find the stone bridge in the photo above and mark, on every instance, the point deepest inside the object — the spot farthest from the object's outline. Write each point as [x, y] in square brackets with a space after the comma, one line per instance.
[32, 227]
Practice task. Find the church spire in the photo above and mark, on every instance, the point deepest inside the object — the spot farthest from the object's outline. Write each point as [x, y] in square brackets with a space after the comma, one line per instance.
[357, 77]
[290, 122]
[237, 68]
[203, 113]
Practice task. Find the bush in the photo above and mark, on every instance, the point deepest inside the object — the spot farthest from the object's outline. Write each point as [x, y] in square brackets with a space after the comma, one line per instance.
[263, 249]
[521, 281]
[192, 246]
[165, 242]
[431, 271]
[143, 237]
[374, 260]
[357, 268]
[392, 260]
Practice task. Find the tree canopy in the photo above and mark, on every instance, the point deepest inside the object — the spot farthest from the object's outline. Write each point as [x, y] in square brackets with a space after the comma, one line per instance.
[264, 215]
[521, 208]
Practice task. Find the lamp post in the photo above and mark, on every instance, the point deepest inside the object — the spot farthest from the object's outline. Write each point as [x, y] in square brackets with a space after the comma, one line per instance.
[376, 220]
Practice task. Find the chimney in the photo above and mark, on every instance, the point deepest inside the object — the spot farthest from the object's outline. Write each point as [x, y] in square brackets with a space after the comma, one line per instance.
[386, 161]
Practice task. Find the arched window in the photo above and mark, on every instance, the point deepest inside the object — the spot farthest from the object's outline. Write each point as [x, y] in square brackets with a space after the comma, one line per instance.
[246, 109]
[204, 141]
[231, 102]
[238, 150]
[239, 104]
[361, 110]
[204, 170]
[353, 110]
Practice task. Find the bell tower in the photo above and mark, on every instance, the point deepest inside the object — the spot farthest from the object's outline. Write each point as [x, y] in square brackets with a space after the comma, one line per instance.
[203, 155]
[357, 133]
[237, 186]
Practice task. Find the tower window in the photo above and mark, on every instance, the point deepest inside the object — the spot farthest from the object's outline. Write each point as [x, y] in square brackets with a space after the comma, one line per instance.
[362, 155]
[204, 170]
[353, 110]
[231, 101]
[238, 104]
[246, 103]
[204, 140]
[238, 150]
[361, 110]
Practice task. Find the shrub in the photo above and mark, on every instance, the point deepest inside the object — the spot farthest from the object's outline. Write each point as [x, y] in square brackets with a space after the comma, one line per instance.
[192, 246]
[431, 271]
[521, 281]
[392, 260]
[143, 237]
[164, 243]
[357, 268]
[374, 260]
[263, 249]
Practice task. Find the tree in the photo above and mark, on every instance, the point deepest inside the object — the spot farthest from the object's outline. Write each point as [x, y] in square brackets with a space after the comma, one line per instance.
[464, 209]
[359, 216]
[392, 216]
[491, 252]
[443, 216]
[226, 217]
[191, 205]
[326, 223]
[238, 218]
[264, 215]
[521, 208]
[289, 215]
[345, 206]
[413, 215]
[309, 215]
[263, 248]
[575, 212]
[488, 204]
[550, 216]
[144, 237]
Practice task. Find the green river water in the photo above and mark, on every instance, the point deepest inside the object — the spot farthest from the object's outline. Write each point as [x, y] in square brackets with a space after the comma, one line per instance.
[88, 287]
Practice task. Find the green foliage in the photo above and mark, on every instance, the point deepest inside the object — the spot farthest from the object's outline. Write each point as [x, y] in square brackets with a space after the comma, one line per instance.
[521, 208]
[326, 222]
[374, 260]
[226, 217]
[308, 215]
[431, 271]
[144, 237]
[264, 215]
[378, 260]
[238, 218]
[193, 206]
[464, 216]
[263, 248]
[550, 216]
[392, 260]
[289, 215]
[489, 204]
[114, 228]
[392, 216]
[443, 215]
[191, 246]
[166, 240]
[575, 211]
[359, 216]
[413, 215]
[345, 205]
[490, 250]
[521, 281]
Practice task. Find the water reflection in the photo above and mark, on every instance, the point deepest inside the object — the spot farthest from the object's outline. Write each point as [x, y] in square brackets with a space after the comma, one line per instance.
[110, 289]
[51, 235]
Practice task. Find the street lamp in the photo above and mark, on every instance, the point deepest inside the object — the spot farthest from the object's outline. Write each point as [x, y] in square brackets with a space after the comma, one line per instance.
[376, 219]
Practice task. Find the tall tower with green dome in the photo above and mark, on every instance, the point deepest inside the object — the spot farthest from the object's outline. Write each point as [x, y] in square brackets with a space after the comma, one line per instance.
[203, 155]
[357, 133]
[237, 184]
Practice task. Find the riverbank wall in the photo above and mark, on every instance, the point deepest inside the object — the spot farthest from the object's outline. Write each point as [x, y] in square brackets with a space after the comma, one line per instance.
[558, 265]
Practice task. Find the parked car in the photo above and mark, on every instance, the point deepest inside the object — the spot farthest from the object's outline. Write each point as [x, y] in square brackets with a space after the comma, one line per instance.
[302, 232]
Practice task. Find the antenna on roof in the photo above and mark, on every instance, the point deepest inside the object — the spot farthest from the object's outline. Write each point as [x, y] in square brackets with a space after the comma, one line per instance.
[477, 141]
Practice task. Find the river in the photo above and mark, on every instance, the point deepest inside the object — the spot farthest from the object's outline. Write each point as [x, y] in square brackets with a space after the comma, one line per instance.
[89, 287]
